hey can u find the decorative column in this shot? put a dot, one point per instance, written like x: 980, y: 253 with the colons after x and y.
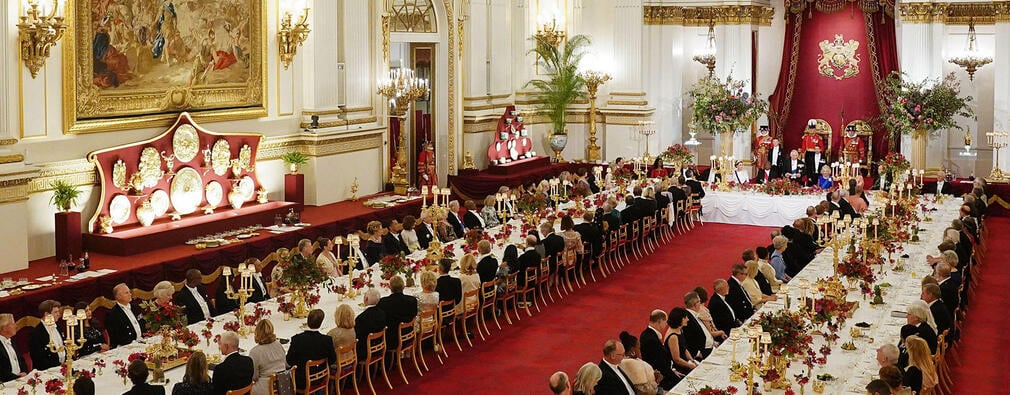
x: 921, y: 56
x: 1001, y: 85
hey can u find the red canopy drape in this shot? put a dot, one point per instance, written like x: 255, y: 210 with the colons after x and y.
x: 803, y: 93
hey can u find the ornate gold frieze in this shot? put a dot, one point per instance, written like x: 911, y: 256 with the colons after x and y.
x: 982, y: 13
x: 451, y: 129
x: 13, y: 158
x: 342, y: 122
x: 322, y: 146
x: 8, y: 141
x: 75, y: 172
x: 703, y: 16
x: 14, y: 189
x: 627, y: 102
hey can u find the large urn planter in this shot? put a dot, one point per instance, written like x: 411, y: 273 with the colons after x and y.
x: 558, y: 142
x: 918, y: 157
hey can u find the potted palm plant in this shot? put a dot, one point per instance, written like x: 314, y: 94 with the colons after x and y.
x: 294, y: 159
x: 68, y: 223
x: 562, y: 84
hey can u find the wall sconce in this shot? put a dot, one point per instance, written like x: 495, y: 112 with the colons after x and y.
x: 290, y: 37
x: 971, y: 60
x: 707, y: 55
x: 548, y: 31
x: 38, y: 31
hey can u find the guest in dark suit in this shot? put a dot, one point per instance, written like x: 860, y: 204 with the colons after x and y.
x: 137, y: 372
x: 425, y: 231
x: 766, y: 174
x: 699, y: 340
x: 453, y: 218
x: 631, y: 213
x: 399, y: 308
x: 553, y: 243
x: 310, y: 345
x: 942, y: 187
x: 777, y: 156
x: 193, y: 298
x: 615, y: 380
x: 371, y: 245
x: 370, y: 321
x: 738, y: 299
x: 236, y: 370
x: 260, y: 290
x: 647, y: 207
x: 948, y: 286
x: 448, y: 287
x: 222, y: 303
x: 723, y: 315
x: 654, y: 350
x: 472, y: 218
x: 8, y: 369
x: 941, y: 315
x: 392, y: 241
x: 883, y: 181
x: 38, y: 345
x: 529, y: 258
x: 590, y: 233
x: 694, y: 184
x: 678, y: 194
x: 123, y: 322
x: 609, y: 219
x: 487, y: 265
x: 813, y: 161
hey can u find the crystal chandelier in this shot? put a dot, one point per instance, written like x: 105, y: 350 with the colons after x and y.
x: 971, y: 60
x: 707, y: 55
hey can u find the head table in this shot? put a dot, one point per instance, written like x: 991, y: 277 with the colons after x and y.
x: 755, y: 208
x: 851, y: 369
x: 284, y: 327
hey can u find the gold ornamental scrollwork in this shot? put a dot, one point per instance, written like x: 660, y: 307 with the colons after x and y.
x: 979, y: 13
x: 150, y: 167
x: 119, y: 174
x: 706, y: 15
x: 838, y: 56
x: 221, y: 157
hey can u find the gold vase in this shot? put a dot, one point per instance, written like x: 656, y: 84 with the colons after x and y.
x: 919, y: 138
x: 726, y: 143
x: 298, y: 298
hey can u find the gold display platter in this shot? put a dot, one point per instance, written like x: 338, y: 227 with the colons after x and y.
x: 150, y: 167
x: 247, y: 188
x: 160, y: 202
x: 187, y: 190
x: 185, y: 143
x: 214, y: 193
x: 221, y: 157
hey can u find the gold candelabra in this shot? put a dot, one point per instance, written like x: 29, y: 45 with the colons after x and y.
x: 647, y: 129
x: 758, y: 361
x: 354, y: 190
x: 549, y: 33
x: 351, y: 262
x: 593, y: 81
x: 291, y: 36
x: 501, y: 207
x: 997, y: 141
x: 401, y: 87
x: 245, y: 290
x: 723, y: 166
x: 74, y: 324
x: 39, y: 29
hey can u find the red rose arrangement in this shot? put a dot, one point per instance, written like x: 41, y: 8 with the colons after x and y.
x: 120, y: 369
x: 715, y: 391
x: 231, y: 326
x: 258, y: 313
x: 55, y: 386
x: 789, y: 333
x: 393, y: 265
x: 186, y: 336
x: 158, y: 315
x: 854, y: 269
x: 137, y: 355
x: 99, y: 365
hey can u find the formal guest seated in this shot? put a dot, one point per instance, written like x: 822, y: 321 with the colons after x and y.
x: 310, y: 345
x: 738, y: 298
x: 93, y: 336
x: 468, y: 276
x: 614, y: 380
x: 122, y: 321
x: 326, y: 259
x: 398, y: 308
x: 12, y: 363
x: 942, y: 314
x: 137, y: 371
x: 488, y: 212
x: 700, y: 339
x: 193, y: 298
x: 919, y: 316
x: 267, y: 355
x: 235, y: 370
x: 887, y: 355
x: 878, y: 387
x: 895, y: 379
x: 856, y: 196
x: 643, y: 376
x: 409, y: 233
x: 370, y: 321
x: 529, y: 258
x: 657, y: 169
x: 676, y: 342
x: 428, y: 300
x: 84, y: 385
x: 472, y: 218
x: 487, y: 265
x: 558, y: 383
x: 343, y: 334
x: 38, y: 346
x: 723, y: 315
x: 196, y: 381
x: 740, y: 174
x: 586, y: 379
x: 824, y: 180
x: 373, y: 248
x: 393, y: 240
x: 750, y: 285
x: 767, y: 173
x: 767, y: 270
x: 590, y: 232
x: 920, y: 376
x: 654, y: 351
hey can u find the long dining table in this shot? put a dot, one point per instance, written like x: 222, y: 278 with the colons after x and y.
x: 851, y: 369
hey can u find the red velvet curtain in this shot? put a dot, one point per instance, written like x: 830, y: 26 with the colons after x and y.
x: 803, y: 93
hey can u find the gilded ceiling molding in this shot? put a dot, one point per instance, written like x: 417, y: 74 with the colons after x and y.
x: 987, y: 13
x: 319, y: 146
x: 832, y: 6
x: 703, y: 16
x: 75, y: 172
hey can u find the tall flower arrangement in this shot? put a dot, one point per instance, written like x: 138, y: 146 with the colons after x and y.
x: 926, y: 105
x: 895, y: 163
x: 724, y: 106
x: 677, y: 154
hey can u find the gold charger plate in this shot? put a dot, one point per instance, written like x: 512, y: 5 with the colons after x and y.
x: 214, y: 193
x: 150, y: 167
x: 221, y: 157
x: 160, y: 202
x: 185, y: 143
x: 246, y: 188
x: 119, y: 209
x: 187, y: 190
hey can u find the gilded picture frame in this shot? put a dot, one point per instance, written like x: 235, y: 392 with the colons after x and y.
x: 131, y: 64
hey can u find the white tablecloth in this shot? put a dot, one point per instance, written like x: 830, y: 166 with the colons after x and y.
x: 755, y: 208
x: 852, y: 369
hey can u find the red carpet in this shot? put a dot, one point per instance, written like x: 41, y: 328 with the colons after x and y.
x: 983, y: 347
x: 519, y: 359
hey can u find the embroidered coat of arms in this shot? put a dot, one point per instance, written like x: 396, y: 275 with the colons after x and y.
x: 838, y: 58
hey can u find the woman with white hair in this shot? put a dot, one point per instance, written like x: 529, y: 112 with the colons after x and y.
x: 162, y: 311
x: 919, y: 316
x: 585, y: 380
x: 163, y: 292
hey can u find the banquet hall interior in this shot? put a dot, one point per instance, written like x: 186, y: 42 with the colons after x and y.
x: 504, y: 196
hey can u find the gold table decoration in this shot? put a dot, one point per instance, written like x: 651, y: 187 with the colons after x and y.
x: 187, y: 190
x: 245, y: 157
x: 162, y: 353
x: 150, y: 167
x: 119, y: 175
x: 245, y: 290
x: 74, y: 324
x: 185, y: 143
x: 221, y: 157
x: 119, y: 209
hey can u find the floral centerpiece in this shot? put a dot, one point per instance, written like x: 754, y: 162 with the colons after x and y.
x: 677, y: 154
x: 724, y: 106
x: 789, y: 333
x: 393, y: 265
x: 532, y: 203
x: 300, y: 275
x: 707, y: 390
x: 781, y: 186
x: 186, y: 337
x: 162, y: 315
x: 895, y: 163
x: 928, y: 105
x: 854, y: 269
x: 828, y: 309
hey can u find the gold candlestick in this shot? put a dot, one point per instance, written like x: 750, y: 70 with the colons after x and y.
x: 245, y: 274
x: 74, y: 323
